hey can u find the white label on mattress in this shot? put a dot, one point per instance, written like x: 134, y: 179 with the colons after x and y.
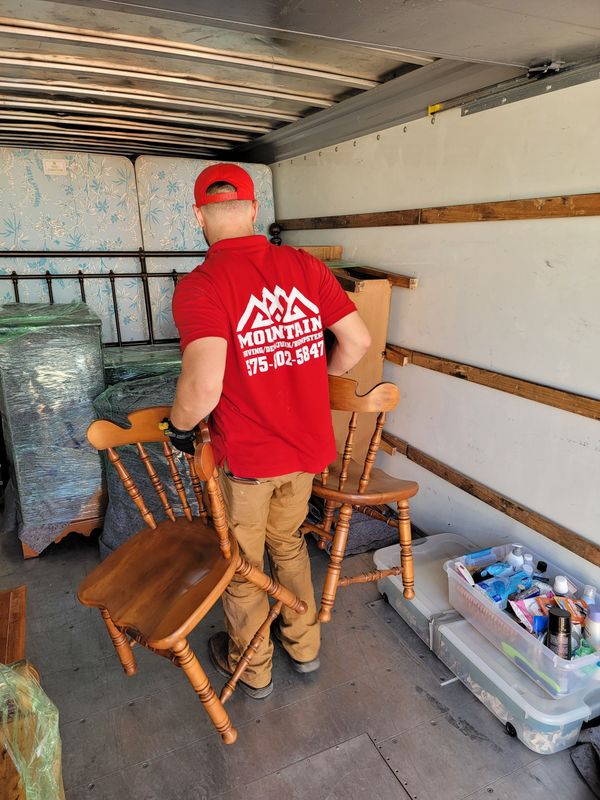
x: 55, y: 166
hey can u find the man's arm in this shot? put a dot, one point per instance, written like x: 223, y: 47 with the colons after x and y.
x: 201, y: 381
x: 352, y: 342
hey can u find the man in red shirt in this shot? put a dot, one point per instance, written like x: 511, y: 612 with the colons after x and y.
x: 251, y: 320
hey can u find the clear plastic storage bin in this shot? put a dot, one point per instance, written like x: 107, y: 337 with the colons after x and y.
x: 554, y: 674
x: 545, y: 724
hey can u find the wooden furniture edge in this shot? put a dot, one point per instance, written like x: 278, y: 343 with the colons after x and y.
x: 401, y: 281
x: 526, y: 516
x: 333, y: 253
x: 537, y: 392
x: 13, y: 605
x: 84, y: 527
x: 325, y: 252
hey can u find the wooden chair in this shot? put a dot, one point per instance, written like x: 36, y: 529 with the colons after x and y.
x: 159, y: 585
x: 348, y: 485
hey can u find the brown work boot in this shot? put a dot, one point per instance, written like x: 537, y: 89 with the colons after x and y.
x: 218, y: 651
x: 303, y: 667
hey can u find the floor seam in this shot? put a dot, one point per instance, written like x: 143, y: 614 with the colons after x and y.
x: 394, y: 772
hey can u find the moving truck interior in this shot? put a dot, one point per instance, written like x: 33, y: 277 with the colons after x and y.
x: 441, y: 159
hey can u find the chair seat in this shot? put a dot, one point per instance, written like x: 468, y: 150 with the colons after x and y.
x: 382, y: 488
x: 161, y: 582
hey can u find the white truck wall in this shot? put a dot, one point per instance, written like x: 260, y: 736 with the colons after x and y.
x: 518, y: 297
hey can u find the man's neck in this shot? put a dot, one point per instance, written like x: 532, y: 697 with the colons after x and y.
x: 231, y: 234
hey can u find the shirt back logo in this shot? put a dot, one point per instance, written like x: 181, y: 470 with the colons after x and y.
x: 276, y: 307
x: 279, y: 330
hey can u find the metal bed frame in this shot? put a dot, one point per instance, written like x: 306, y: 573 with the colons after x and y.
x: 143, y: 275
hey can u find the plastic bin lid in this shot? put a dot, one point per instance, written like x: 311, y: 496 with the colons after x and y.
x: 429, y: 556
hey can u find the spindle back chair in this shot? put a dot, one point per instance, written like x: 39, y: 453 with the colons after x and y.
x: 157, y: 587
x: 349, y: 485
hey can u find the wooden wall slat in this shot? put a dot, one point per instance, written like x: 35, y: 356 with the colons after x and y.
x: 572, y: 205
x: 557, y: 398
x: 532, y: 519
x: 372, y: 220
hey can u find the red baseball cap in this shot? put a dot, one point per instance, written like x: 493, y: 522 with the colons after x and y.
x: 223, y: 173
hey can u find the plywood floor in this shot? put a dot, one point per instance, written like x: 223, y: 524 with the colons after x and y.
x: 379, y: 721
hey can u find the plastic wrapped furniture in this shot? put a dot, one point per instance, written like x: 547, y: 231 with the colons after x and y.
x: 140, y: 361
x: 30, y: 747
x: 115, y: 404
x: 50, y: 371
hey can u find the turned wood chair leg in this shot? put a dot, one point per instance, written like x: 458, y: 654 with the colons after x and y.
x: 406, y: 559
x: 188, y: 662
x: 336, y: 557
x: 249, y: 652
x: 327, y: 522
x: 274, y: 589
x: 121, y: 643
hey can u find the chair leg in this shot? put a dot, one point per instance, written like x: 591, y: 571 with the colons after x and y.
x: 197, y: 677
x: 406, y: 560
x: 121, y: 644
x: 249, y: 652
x: 338, y: 548
x: 274, y: 589
x: 326, y: 523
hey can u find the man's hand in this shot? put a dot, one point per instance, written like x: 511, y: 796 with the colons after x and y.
x: 184, y: 441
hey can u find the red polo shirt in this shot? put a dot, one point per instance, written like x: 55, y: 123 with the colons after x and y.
x: 271, y: 304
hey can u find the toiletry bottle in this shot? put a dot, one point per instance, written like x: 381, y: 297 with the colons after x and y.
x: 589, y: 594
x: 592, y: 627
x: 559, y: 632
x: 528, y: 564
x: 561, y: 586
x: 540, y: 570
x: 515, y: 557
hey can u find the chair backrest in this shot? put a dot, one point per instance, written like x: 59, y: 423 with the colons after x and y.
x: 144, y: 428
x: 380, y: 399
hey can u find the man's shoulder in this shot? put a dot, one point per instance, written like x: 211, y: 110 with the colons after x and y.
x: 296, y: 255
x: 287, y: 250
x: 198, y: 275
x: 198, y: 279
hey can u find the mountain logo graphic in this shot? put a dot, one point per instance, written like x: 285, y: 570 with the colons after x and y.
x: 276, y: 307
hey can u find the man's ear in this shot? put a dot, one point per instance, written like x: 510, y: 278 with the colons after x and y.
x: 199, y: 217
x: 254, y: 210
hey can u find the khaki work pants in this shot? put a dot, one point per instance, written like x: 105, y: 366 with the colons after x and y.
x: 270, y: 512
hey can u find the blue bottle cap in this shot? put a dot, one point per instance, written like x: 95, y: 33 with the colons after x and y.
x: 539, y: 623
